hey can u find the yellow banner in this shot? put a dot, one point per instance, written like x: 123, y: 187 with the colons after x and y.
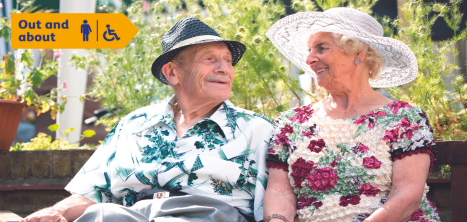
x: 71, y: 31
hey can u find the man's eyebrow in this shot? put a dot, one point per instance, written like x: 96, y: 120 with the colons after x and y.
x: 202, y: 53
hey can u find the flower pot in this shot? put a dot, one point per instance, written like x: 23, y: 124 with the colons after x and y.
x: 10, y: 115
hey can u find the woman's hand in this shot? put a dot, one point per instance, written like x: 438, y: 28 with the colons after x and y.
x: 279, y: 197
x: 408, y: 182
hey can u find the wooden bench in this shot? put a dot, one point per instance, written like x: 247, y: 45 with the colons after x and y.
x: 454, y: 153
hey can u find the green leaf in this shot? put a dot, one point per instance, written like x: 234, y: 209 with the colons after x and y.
x: 88, y: 133
x: 9, y: 65
x: 29, y: 96
x: 53, y: 127
x: 26, y: 58
x: 36, y: 77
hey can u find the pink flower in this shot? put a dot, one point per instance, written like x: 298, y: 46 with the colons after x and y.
x: 322, y: 179
x: 362, y: 148
x: 1, y: 5
x: 371, y: 162
x: 316, y: 145
x: 307, y: 133
x: 287, y: 129
x: 371, y: 118
x: 271, y: 151
x: 302, y: 114
x: 368, y: 190
x: 305, y: 202
x: 145, y: 5
x: 404, y: 128
x: 282, y: 140
x: 300, y: 170
x: 64, y: 85
x: 349, y: 199
x: 333, y: 164
x: 58, y: 54
x: 318, y: 204
x: 417, y: 215
x: 433, y: 206
x: 396, y: 105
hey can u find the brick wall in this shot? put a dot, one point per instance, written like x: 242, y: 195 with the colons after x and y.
x: 31, y: 180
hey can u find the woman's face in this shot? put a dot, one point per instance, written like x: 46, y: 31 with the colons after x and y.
x: 330, y: 63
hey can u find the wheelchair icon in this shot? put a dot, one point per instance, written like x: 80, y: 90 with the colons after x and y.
x: 110, y: 32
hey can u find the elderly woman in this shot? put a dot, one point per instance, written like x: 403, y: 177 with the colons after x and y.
x: 356, y: 155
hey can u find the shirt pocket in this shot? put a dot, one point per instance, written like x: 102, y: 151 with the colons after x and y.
x: 214, y: 175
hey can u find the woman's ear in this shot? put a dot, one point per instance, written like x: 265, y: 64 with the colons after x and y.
x: 168, y: 71
x: 362, y: 54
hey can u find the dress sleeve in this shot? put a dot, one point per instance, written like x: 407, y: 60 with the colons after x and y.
x: 412, y: 134
x: 279, y: 144
x: 93, y: 179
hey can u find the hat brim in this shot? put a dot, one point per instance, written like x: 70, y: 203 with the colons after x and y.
x: 236, y: 49
x: 290, y: 36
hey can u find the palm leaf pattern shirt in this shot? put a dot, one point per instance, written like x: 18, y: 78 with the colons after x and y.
x: 222, y: 157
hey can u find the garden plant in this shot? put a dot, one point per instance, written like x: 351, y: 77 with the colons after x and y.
x: 263, y: 81
x: 18, y: 77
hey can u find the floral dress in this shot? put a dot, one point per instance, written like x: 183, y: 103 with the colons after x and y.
x: 341, y: 170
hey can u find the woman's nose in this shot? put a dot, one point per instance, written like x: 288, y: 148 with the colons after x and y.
x: 311, y: 58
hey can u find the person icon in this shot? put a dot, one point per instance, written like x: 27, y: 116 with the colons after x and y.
x: 110, y: 32
x: 85, y: 29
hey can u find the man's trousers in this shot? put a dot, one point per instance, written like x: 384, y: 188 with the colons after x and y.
x: 172, y: 209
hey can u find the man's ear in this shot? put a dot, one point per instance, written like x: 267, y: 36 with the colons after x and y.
x: 168, y: 71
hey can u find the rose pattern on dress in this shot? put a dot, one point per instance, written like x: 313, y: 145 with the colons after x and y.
x: 300, y: 170
x: 302, y: 114
x: 396, y: 105
x: 316, y: 145
x: 349, y: 199
x: 348, y: 169
x: 371, y: 118
x: 368, y: 190
x: 405, y: 128
x: 322, y: 179
x: 360, y: 148
x: 371, y: 162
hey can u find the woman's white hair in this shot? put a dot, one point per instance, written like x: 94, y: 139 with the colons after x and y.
x: 350, y: 45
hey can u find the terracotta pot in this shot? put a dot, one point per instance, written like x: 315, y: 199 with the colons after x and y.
x: 10, y: 115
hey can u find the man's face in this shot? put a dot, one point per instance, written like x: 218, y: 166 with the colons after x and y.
x: 205, y: 72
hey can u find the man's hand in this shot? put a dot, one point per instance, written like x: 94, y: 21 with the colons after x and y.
x: 45, y: 215
x: 66, y: 210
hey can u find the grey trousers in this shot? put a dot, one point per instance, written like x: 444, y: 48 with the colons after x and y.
x: 172, y: 209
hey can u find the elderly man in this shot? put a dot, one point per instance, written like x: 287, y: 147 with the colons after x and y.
x: 194, y: 158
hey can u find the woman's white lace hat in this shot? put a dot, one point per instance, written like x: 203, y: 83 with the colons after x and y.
x: 290, y: 36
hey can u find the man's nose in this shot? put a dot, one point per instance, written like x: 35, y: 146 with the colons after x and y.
x: 222, y: 66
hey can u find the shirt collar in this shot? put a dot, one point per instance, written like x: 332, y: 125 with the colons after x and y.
x: 225, y: 116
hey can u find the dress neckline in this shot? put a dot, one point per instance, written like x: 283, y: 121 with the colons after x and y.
x: 358, y: 116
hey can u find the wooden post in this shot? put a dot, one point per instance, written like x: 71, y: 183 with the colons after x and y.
x: 459, y: 192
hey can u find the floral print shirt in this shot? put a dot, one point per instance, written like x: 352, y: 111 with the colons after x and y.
x: 222, y: 157
x: 341, y: 170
